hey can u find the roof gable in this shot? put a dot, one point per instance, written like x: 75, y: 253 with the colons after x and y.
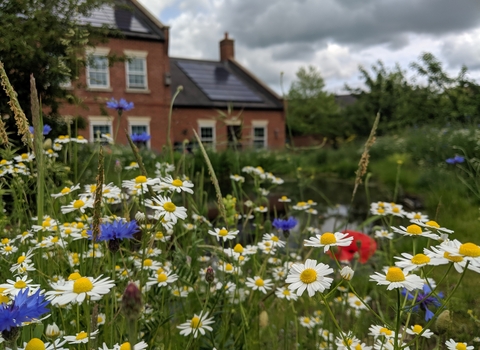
x: 218, y: 84
x: 128, y: 16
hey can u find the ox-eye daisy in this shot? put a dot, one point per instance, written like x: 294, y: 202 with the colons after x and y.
x: 415, y: 231
x: 309, y: 276
x: 453, y: 345
x: 285, y: 293
x: 79, y: 289
x: 167, y: 210
x: 412, y: 262
x: 162, y: 278
x: 82, y: 337
x: 78, y: 204
x: 417, y: 329
x: 257, y: 283
x: 223, y: 233
x: 176, y: 185
x: 198, y: 324
x: 395, y: 278
x: 469, y: 251
x: 328, y: 240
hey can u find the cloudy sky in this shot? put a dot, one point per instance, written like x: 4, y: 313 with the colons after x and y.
x: 274, y: 36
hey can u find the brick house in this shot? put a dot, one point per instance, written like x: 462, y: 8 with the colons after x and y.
x: 221, y: 100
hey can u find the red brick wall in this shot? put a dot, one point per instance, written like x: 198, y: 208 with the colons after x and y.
x: 185, y: 119
x: 154, y: 104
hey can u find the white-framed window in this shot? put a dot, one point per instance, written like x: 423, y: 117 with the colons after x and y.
x: 206, y: 131
x: 98, y: 72
x: 259, y: 133
x: 136, y: 70
x: 100, y: 126
x: 139, y: 125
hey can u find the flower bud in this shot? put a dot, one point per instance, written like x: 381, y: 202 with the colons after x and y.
x: 209, y: 275
x: 139, y: 216
x: 263, y: 319
x: 132, y: 301
x: 347, y: 273
x: 443, y: 322
x: 52, y: 330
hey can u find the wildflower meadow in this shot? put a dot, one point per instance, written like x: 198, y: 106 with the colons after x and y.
x: 139, y: 256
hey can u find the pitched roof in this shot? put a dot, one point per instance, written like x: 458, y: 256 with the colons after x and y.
x: 218, y: 84
x: 129, y: 17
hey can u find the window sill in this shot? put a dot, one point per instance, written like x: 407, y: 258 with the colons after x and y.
x: 100, y: 89
x: 137, y: 91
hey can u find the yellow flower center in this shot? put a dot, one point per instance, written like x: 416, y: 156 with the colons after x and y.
x: 461, y: 346
x: 433, y: 224
x: 35, y: 344
x: 162, y: 277
x: 274, y: 238
x: 417, y: 328
x: 358, y: 302
x: 195, y: 323
x: 469, y: 249
x: 453, y: 258
x: 80, y: 225
x: 74, y: 276
x: 223, y: 232
x: 396, y: 210
x: 308, y: 276
x: 328, y: 238
x: 306, y: 320
x: 140, y: 179
x: 147, y: 262
x: 414, y: 230
x: 24, y: 156
x: 82, y: 285
x: 65, y: 190
x: 228, y: 267
x: 284, y: 198
x: 125, y: 346
x: 385, y: 331
x: 286, y: 292
x: 169, y: 206
x: 261, y: 207
x: 5, y: 240
x: 238, y: 248
x: 177, y: 182
x: 79, y: 137
x: 159, y: 235
x: 358, y: 347
x: 21, y: 259
x: 3, y: 162
x: 78, y: 204
x: 420, y: 259
x: 417, y: 216
x: 20, y: 284
x: 55, y: 240
x: 259, y: 282
x: 81, y: 335
x: 8, y: 248
x: 395, y: 274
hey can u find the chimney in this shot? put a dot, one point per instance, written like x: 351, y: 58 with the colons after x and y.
x: 227, y: 48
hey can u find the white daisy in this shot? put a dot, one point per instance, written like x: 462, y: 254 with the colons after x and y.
x: 328, y: 240
x: 276, y: 242
x: 127, y: 346
x: 14, y: 287
x: 76, y: 291
x: 65, y: 191
x: 25, y: 158
x: 162, y: 278
x: 166, y: 209
x: 417, y: 329
x: 309, y: 276
x: 346, y: 341
x: 257, y: 283
x: 410, y: 263
x: 453, y: 345
x: 79, y: 338
x: 432, y: 225
x: 176, y: 185
x: 131, y: 166
x: 139, y: 184
x: 237, y: 178
x: 198, y: 324
x: 79, y: 139
x: 79, y: 204
x: 417, y: 216
x: 261, y: 209
x: 438, y: 256
x: 379, y: 331
x: 285, y: 293
x: 284, y: 199
x: 415, y: 231
x: 395, y: 278
x: 301, y: 206
x: 469, y: 251
x: 223, y: 233
x: 307, y: 322
x: 383, y: 234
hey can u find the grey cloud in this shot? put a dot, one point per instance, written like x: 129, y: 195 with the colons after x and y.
x: 461, y: 52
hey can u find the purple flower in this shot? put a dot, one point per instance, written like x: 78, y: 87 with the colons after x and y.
x: 143, y: 137
x: 118, y: 229
x: 455, y: 160
x: 285, y: 225
x: 121, y: 105
x: 425, y: 300
x: 46, y: 129
x: 24, y: 308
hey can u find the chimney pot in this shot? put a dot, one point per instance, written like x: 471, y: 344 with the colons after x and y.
x: 227, y: 48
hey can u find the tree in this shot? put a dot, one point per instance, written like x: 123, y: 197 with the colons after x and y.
x: 312, y: 110
x: 43, y: 38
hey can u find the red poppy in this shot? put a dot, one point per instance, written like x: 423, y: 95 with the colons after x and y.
x: 362, y: 244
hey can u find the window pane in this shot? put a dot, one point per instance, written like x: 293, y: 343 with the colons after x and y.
x: 98, y: 130
x: 206, y: 133
x: 136, y: 81
x: 138, y: 129
x: 99, y: 62
x: 98, y: 78
x: 136, y: 65
x: 259, y: 132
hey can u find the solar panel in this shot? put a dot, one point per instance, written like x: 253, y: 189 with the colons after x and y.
x: 218, y: 83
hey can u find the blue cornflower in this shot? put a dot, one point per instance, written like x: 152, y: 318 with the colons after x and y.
x: 24, y: 308
x: 121, y: 105
x: 143, y: 137
x: 117, y: 230
x: 46, y: 129
x: 285, y: 225
x: 425, y: 300
x: 455, y: 160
